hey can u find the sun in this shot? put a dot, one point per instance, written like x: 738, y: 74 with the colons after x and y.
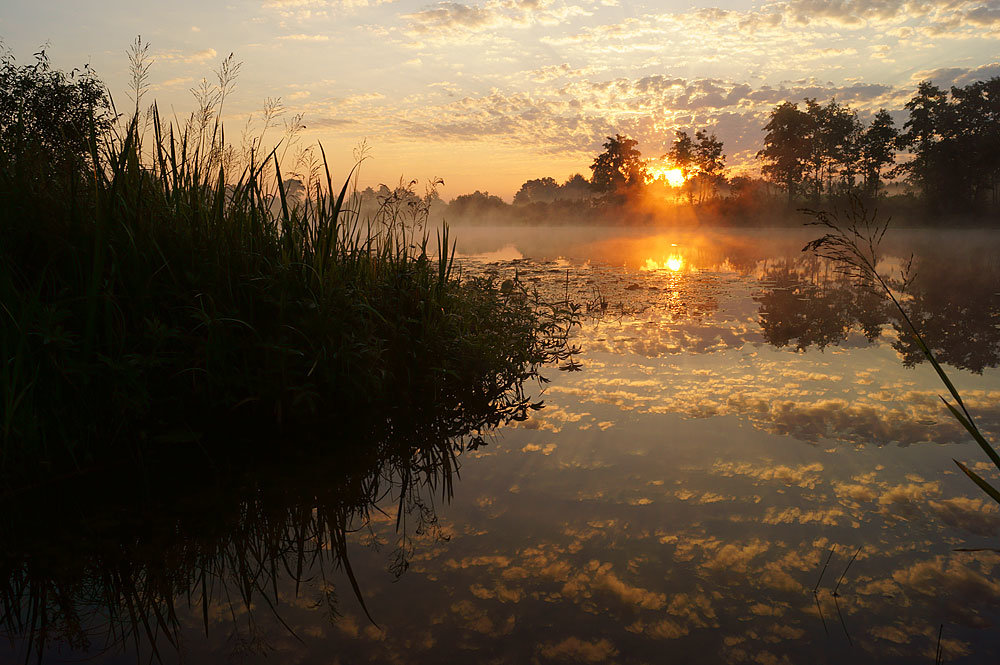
x: 675, y: 263
x: 673, y: 176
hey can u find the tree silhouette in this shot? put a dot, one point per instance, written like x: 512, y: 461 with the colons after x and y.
x: 877, y: 150
x: 47, y: 116
x: 924, y: 133
x: 539, y: 190
x: 787, y: 148
x: 683, y: 156
x: 619, y: 167
x: 834, y: 136
x: 710, y: 160
x: 576, y: 187
x: 955, y: 140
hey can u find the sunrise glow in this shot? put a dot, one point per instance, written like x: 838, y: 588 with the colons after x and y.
x: 674, y: 176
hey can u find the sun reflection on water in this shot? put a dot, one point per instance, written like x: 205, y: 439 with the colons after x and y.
x: 673, y: 263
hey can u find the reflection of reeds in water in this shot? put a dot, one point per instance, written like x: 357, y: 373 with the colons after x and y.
x: 834, y: 594
x: 116, y: 568
x: 852, y: 243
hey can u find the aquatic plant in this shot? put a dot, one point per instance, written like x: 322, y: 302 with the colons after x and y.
x: 852, y: 242
x: 161, y: 284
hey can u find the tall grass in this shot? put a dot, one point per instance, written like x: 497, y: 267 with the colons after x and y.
x: 153, y: 288
x: 852, y: 242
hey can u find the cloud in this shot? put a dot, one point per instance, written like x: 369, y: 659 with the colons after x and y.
x: 664, y: 629
x: 931, y: 15
x: 304, y: 38
x: 957, y: 589
x: 957, y: 76
x: 192, y: 57
x: 736, y: 557
x: 598, y: 577
x: 445, y: 19
x: 795, y: 515
x: 448, y: 16
x: 289, y: 6
x: 973, y: 515
x: 176, y: 81
x: 803, y: 475
x: 574, y: 116
x: 573, y: 649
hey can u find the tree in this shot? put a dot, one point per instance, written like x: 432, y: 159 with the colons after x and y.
x: 817, y: 117
x: 476, y: 204
x: 48, y: 117
x: 955, y: 142
x: 709, y: 160
x: 575, y: 188
x: 787, y: 147
x: 619, y: 167
x: 877, y: 149
x: 539, y: 190
x: 923, y: 132
x: 682, y: 156
x: 839, y: 136
x: 977, y: 138
x: 849, y: 152
x: 834, y: 149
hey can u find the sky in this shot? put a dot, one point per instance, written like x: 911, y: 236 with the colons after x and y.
x: 488, y: 94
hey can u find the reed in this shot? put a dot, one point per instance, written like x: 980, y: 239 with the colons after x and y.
x: 852, y: 242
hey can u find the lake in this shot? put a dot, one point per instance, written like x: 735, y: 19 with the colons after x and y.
x: 747, y: 462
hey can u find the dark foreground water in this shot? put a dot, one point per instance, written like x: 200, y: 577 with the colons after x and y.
x: 749, y: 465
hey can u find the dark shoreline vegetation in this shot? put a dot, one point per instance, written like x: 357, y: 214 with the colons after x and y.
x: 156, y: 293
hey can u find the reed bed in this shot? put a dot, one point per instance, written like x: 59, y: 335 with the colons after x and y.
x: 154, y: 288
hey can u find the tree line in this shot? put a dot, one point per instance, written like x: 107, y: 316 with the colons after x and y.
x: 620, y: 171
x: 947, y: 150
x: 951, y: 142
x: 947, y: 153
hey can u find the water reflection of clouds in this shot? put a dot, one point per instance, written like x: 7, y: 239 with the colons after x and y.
x: 865, y: 397
x: 649, y: 511
x: 576, y: 650
x: 708, y: 535
x: 759, y: 583
x: 649, y: 507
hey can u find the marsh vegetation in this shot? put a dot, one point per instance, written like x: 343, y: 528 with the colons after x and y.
x: 158, y: 285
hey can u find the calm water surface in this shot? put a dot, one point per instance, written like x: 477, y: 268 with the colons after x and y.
x: 748, y: 465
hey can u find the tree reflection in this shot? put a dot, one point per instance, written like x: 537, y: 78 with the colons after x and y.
x: 957, y: 309
x: 955, y: 305
x: 806, y: 305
